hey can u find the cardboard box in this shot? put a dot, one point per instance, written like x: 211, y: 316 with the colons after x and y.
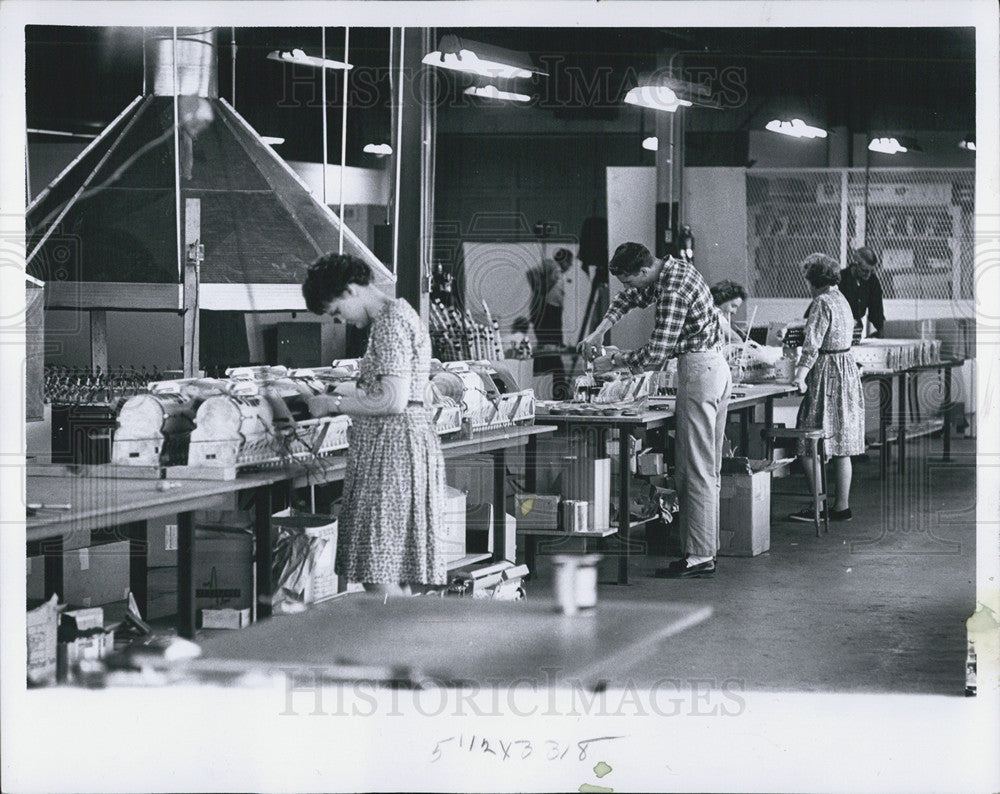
x: 649, y: 463
x: 161, y: 593
x: 479, y: 529
x: 42, y: 624
x: 452, y: 537
x: 96, y: 575
x: 224, y: 574
x: 510, y: 532
x: 35, y: 577
x: 81, y: 636
x: 321, y: 581
x: 473, y: 475
x: 161, y: 542
x: 225, y: 618
x: 536, y: 511
x: 745, y: 508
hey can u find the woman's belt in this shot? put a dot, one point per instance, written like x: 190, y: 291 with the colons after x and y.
x: 831, y: 352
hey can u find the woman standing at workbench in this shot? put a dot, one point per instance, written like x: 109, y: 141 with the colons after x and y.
x: 392, y: 514
x: 827, y: 375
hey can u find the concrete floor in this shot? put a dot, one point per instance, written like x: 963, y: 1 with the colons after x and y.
x: 877, y: 605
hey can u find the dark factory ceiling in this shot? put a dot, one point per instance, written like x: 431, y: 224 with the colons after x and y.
x: 867, y: 79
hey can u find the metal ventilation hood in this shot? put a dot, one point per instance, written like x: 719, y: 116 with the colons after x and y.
x: 105, y: 234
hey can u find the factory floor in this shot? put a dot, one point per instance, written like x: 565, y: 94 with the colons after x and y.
x: 878, y: 604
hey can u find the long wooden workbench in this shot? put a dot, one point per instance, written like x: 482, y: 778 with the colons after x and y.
x: 748, y: 397
x: 74, y: 502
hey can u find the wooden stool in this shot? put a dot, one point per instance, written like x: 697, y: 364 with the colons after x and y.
x: 818, y: 460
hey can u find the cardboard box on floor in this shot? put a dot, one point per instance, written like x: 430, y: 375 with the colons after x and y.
x: 161, y: 542
x: 473, y: 475
x: 224, y: 573
x: 96, y: 575
x: 42, y: 623
x: 452, y: 539
x: 161, y: 593
x: 745, y: 508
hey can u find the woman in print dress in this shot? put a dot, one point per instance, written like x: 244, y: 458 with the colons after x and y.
x: 392, y: 513
x: 828, y: 377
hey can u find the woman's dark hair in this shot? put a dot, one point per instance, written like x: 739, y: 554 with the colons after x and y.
x: 329, y: 276
x: 821, y: 270
x: 629, y: 259
x: 725, y: 291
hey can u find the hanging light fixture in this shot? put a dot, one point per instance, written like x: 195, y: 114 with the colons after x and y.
x: 651, y: 143
x: 378, y: 149
x: 484, y: 60
x: 657, y: 97
x: 299, y: 57
x: 796, y: 128
x: 894, y: 145
x: 492, y: 92
x: 270, y: 141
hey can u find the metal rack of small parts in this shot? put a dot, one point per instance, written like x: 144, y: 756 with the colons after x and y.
x: 896, y: 426
x: 588, y: 418
x: 72, y: 499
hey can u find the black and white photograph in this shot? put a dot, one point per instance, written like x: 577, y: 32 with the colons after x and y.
x: 467, y: 396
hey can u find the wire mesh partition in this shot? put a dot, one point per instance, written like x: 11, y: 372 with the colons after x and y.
x: 919, y: 221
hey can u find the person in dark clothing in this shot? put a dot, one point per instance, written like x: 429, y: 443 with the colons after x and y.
x: 863, y: 290
x: 547, y: 297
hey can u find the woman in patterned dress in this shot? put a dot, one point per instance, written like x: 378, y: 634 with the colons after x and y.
x: 828, y: 376
x: 392, y: 511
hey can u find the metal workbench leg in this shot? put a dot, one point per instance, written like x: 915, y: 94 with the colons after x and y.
x: 499, y: 505
x: 52, y: 550
x: 185, y: 575
x: 946, y: 430
x: 624, y: 523
x: 901, y: 421
x: 884, y: 419
x: 263, y: 504
x: 745, y: 430
x: 138, y: 565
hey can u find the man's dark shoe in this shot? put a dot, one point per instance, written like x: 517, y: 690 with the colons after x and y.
x: 681, y: 569
x: 841, y: 515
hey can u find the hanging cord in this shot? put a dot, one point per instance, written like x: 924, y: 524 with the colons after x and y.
x: 343, y: 135
x: 177, y: 162
x: 323, y: 103
x: 232, y: 41
x: 399, y: 146
x: 392, y: 199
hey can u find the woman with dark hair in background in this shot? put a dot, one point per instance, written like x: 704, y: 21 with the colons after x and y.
x: 728, y: 296
x: 394, y: 487
x: 828, y: 377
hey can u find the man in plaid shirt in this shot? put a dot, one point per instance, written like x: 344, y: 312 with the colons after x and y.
x: 688, y: 328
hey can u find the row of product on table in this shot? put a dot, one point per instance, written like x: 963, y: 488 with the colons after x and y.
x: 259, y: 416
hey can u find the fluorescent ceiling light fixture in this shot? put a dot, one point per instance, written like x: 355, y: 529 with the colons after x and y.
x: 298, y: 56
x: 485, y: 60
x: 272, y: 141
x: 651, y: 143
x: 378, y: 149
x: 657, y: 97
x: 894, y: 145
x: 796, y: 128
x: 968, y: 143
x: 492, y: 92
x: 61, y: 134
